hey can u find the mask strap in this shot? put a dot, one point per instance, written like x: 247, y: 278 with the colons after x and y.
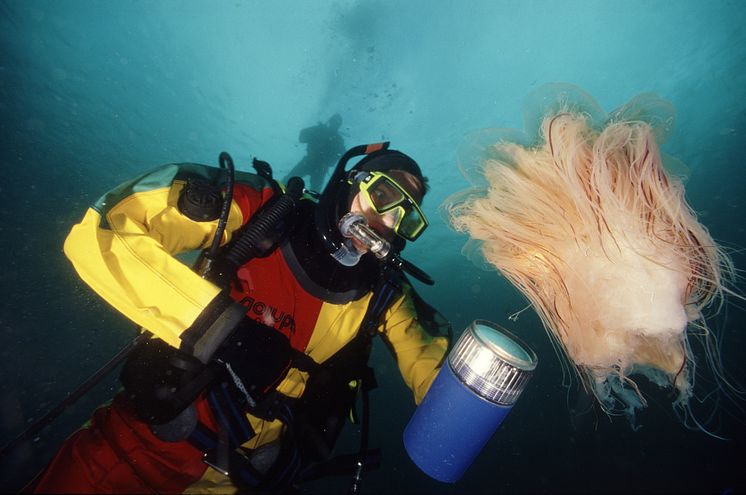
x: 354, y: 176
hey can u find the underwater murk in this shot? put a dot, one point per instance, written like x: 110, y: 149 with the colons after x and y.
x: 610, y: 241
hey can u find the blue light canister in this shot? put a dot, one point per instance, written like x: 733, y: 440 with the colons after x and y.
x: 474, y: 391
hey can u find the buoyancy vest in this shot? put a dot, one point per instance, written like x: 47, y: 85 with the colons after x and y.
x: 313, y: 421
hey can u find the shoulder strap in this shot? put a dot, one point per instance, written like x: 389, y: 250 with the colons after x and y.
x: 388, y: 286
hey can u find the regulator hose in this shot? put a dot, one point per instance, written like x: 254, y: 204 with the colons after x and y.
x: 256, y: 239
x: 225, y: 161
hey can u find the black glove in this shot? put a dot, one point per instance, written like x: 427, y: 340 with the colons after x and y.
x: 222, y: 344
x: 256, y: 359
x: 161, y: 381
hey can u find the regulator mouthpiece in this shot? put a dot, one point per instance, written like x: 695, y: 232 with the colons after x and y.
x: 354, y: 226
x: 347, y: 254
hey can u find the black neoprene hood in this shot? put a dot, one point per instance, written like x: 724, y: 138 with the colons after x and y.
x: 390, y: 160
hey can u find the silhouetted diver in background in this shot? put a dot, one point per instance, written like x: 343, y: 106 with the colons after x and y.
x: 324, y: 146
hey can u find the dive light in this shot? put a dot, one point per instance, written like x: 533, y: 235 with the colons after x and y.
x: 474, y: 391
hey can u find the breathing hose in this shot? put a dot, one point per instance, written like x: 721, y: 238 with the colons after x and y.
x: 252, y: 241
x: 225, y: 161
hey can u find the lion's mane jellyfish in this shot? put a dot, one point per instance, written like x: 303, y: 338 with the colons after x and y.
x: 585, y: 220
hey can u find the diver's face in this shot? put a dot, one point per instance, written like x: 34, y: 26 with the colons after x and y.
x: 384, y: 224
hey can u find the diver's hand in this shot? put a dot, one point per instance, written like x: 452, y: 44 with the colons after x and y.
x: 222, y: 344
x: 256, y: 358
x: 161, y: 381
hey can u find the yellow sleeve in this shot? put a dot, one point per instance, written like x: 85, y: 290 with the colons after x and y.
x: 124, y: 246
x: 418, y: 354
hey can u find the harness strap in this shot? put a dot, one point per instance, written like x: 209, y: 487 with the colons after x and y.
x: 383, y: 295
x: 222, y: 453
x: 231, y: 419
x: 224, y: 459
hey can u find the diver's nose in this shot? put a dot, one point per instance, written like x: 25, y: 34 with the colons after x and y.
x: 383, y: 225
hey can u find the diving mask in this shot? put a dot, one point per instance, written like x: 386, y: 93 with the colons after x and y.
x: 386, y: 196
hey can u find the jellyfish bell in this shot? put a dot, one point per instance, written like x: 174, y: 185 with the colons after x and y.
x: 590, y: 226
x: 554, y: 99
x: 480, y: 148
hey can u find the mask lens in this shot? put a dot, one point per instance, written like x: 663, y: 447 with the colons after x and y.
x: 388, y: 198
x: 384, y: 195
x: 411, y: 224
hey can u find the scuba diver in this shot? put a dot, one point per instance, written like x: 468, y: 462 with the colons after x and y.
x: 324, y: 146
x: 248, y: 365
